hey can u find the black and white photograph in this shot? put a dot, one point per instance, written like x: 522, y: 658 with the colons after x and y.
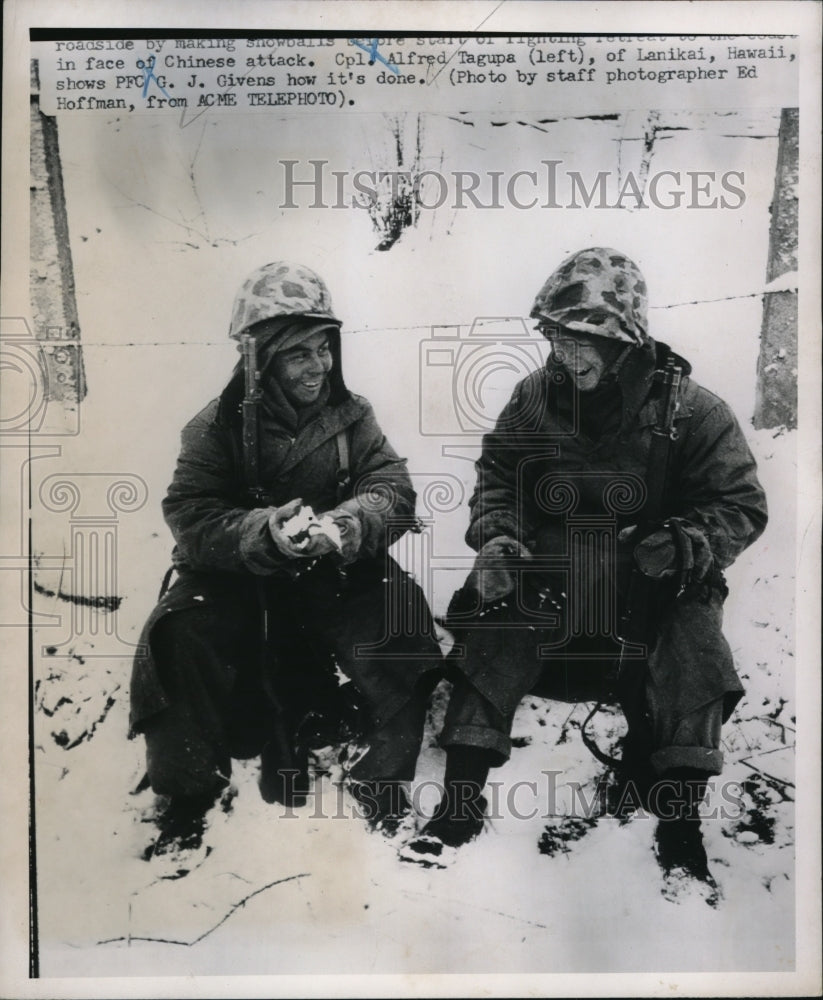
x: 411, y: 499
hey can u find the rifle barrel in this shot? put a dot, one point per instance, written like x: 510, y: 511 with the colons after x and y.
x: 250, y: 410
x: 662, y: 436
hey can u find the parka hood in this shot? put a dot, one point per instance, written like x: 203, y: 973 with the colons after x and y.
x: 279, y: 304
x: 598, y: 291
x: 279, y: 335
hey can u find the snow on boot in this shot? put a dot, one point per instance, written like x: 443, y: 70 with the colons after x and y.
x: 455, y: 831
x: 449, y: 828
x: 384, y: 804
x: 459, y: 817
x: 179, y: 846
x: 681, y: 854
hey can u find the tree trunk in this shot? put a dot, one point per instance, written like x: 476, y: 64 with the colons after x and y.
x: 776, y: 401
x: 51, y: 275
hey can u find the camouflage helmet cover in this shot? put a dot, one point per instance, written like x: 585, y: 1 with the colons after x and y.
x: 598, y: 291
x: 280, y: 289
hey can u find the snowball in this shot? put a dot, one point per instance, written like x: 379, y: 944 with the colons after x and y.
x: 326, y: 526
x: 305, y: 523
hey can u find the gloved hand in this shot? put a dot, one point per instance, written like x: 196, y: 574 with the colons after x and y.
x: 319, y: 544
x: 490, y: 580
x: 657, y: 555
x: 351, y: 533
x: 285, y: 546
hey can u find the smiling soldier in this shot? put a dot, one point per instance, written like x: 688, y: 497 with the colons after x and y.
x: 282, y: 507
x: 603, y: 499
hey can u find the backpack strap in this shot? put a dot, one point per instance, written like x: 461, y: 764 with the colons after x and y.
x: 343, y: 473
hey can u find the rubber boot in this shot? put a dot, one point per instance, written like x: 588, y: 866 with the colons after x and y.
x: 181, y: 824
x: 380, y: 780
x: 678, y: 843
x: 634, y: 779
x: 458, y: 818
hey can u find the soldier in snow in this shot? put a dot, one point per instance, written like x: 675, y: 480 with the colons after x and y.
x: 239, y: 657
x: 551, y: 590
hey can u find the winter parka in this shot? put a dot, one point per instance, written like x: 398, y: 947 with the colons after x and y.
x: 222, y: 536
x: 543, y: 443
x: 562, y: 473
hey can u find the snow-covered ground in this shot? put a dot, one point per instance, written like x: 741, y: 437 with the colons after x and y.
x: 321, y: 893
x: 316, y: 891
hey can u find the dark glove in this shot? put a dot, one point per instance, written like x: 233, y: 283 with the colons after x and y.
x: 488, y: 578
x: 657, y: 555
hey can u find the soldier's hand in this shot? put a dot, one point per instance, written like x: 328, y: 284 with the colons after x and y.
x: 657, y: 554
x: 277, y: 519
x: 319, y: 544
x: 351, y: 533
x: 490, y: 577
x: 350, y: 536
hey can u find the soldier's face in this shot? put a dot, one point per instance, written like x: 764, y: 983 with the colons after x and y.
x: 585, y: 358
x: 301, y: 371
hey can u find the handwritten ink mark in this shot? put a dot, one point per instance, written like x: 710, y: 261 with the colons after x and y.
x: 460, y: 48
x: 149, y: 75
x: 374, y: 54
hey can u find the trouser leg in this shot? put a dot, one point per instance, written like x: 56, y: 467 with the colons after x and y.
x: 500, y: 666
x: 379, y: 627
x: 185, y: 746
x: 394, y: 747
x: 686, y: 754
x: 691, y: 686
x: 690, y: 741
x: 473, y: 721
x: 203, y: 659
